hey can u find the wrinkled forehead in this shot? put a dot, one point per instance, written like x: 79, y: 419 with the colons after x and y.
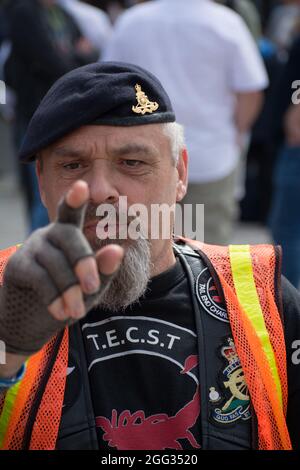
x: 147, y: 139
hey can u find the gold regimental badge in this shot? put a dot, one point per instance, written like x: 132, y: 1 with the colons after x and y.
x: 144, y: 104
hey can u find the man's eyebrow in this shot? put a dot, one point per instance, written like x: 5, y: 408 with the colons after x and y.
x: 132, y: 149
x: 69, y: 152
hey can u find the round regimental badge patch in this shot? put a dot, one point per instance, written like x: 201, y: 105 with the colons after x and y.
x: 208, y: 296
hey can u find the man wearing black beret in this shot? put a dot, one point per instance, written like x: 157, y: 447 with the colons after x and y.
x: 125, y: 342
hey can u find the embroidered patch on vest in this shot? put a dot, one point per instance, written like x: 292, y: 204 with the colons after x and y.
x: 232, y: 402
x: 208, y: 296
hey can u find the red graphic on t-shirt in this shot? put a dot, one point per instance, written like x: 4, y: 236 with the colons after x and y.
x: 157, y: 432
x: 190, y: 363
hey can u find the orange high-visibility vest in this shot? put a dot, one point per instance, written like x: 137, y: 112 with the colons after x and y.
x: 30, y: 412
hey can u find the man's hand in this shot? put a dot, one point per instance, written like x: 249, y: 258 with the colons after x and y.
x: 54, y: 279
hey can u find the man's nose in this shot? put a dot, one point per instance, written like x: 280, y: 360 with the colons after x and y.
x: 102, y: 183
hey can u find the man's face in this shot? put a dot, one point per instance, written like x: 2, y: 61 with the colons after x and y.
x: 135, y: 162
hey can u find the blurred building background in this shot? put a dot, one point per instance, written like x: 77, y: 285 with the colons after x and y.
x: 42, y: 39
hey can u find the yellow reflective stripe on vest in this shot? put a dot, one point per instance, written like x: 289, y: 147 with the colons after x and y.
x: 242, y: 272
x: 7, y: 410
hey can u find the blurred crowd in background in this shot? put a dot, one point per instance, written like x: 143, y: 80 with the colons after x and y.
x: 232, y: 72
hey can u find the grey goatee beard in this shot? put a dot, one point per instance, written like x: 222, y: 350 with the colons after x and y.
x: 130, y: 282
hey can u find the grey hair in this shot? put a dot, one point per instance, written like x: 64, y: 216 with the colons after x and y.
x: 175, y: 132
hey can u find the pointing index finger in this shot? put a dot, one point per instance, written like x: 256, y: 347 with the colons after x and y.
x: 71, y: 208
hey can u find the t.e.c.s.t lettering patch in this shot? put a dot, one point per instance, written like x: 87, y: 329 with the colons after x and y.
x: 208, y: 296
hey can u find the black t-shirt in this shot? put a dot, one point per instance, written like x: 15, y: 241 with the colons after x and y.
x: 143, y: 370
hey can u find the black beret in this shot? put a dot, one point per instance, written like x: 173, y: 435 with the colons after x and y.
x: 107, y: 93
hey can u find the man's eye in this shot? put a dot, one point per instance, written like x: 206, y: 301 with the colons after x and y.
x: 132, y: 163
x: 71, y: 166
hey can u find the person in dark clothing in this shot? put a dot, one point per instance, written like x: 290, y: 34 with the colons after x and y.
x: 263, y: 147
x: 284, y: 220
x: 46, y: 43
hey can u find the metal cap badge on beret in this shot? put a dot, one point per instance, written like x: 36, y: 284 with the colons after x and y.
x: 107, y: 93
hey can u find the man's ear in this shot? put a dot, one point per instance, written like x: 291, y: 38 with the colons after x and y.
x: 40, y: 178
x: 182, y: 169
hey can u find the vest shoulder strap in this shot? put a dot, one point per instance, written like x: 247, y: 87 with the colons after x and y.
x: 249, y: 276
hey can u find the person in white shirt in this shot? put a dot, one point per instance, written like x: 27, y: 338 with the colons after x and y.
x: 208, y: 62
x: 93, y: 22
